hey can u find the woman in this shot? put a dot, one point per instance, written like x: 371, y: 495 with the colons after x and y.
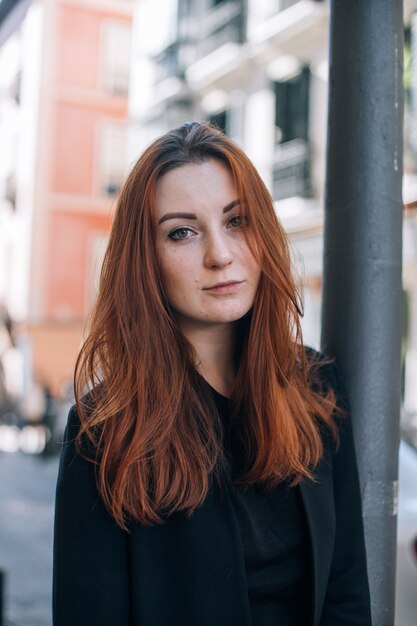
x: 208, y: 477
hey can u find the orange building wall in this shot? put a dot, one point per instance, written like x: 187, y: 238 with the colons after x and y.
x: 70, y: 271
x: 72, y: 205
x: 78, y: 113
x: 74, y: 149
x: 80, y: 32
x: 75, y: 146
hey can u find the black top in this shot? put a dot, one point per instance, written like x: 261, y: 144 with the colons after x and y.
x: 191, y: 570
x: 275, y: 540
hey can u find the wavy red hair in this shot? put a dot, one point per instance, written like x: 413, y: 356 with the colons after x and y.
x: 149, y: 422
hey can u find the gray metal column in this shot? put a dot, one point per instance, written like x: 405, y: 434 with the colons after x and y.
x: 362, y: 259
x: 1, y: 598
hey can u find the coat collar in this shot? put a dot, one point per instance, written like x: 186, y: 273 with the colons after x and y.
x: 319, y: 509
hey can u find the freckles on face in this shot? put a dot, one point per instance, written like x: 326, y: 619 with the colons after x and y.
x: 208, y: 272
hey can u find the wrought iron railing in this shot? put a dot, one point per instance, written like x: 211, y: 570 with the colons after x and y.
x: 173, y: 60
x: 223, y: 23
x: 291, y: 174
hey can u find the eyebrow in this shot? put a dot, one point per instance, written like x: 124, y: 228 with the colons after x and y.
x: 193, y: 216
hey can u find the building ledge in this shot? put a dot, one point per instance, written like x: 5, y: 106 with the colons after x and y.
x: 91, y: 98
x: 171, y: 87
x: 289, y: 23
x: 215, y: 65
x: 121, y: 8
x: 84, y: 204
x: 300, y: 215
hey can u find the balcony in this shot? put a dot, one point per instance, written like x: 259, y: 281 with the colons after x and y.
x: 219, y: 52
x: 222, y: 24
x: 173, y: 60
x: 291, y: 170
x: 285, y: 23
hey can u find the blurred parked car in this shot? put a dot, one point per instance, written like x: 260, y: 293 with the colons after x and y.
x: 406, y: 580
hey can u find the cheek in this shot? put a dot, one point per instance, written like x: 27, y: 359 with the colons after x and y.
x: 256, y: 276
x: 176, y: 271
x: 251, y: 264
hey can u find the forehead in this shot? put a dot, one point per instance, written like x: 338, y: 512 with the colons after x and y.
x: 195, y: 186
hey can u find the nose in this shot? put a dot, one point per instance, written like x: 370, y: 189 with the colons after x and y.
x: 218, y: 251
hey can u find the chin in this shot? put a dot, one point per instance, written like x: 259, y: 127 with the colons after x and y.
x: 230, y: 316
x: 212, y: 317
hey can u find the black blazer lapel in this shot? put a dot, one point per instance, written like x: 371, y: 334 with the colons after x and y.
x: 319, y: 507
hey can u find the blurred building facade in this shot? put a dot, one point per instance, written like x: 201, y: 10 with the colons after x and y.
x: 258, y: 69
x: 64, y: 71
x: 86, y: 84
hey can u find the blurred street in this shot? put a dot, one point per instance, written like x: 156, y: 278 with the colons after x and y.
x: 27, y: 490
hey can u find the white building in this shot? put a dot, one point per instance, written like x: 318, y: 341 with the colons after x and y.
x: 258, y: 68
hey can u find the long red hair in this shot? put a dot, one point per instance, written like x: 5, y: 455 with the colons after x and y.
x: 154, y: 429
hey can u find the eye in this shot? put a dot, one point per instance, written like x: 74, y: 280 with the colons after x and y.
x: 237, y: 220
x: 180, y: 233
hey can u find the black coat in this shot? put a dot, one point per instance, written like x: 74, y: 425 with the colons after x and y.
x: 191, y: 571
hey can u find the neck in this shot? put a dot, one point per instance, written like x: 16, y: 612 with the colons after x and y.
x: 214, y: 347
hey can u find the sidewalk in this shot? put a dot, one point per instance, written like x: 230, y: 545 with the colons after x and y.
x: 27, y: 491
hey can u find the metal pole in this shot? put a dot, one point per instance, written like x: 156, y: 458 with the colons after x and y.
x: 362, y: 259
x: 1, y: 598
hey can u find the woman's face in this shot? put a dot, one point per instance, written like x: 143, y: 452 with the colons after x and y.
x: 208, y: 272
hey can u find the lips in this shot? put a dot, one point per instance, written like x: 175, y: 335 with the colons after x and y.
x: 227, y: 282
x: 229, y: 286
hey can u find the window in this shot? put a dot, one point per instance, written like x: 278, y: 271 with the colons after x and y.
x: 113, y: 151
x: 291, y: 107
x: 291, y: 173
x: 116, y: 57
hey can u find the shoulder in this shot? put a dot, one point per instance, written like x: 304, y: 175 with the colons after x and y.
x: 86, y: 404
x: 77, y: 453
x: 73, y: 467
x: 73, y: 424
